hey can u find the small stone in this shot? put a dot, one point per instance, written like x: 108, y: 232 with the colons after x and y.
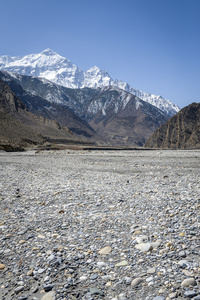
x: 159, y: 298
x: 181, y: 234
x: 29, y: 273
x: 55, y: 235
x: 22, y: 242
x: 138, y: 232
x: 122, y: 263
x: 182, y: 254
x: 187, y: 273
x: 19, y: 289
x: 151, y: 270
x: 35, y: 248
x: 189, y: 281
x: 101, y: 264
x: 136, y: 281
x: 2, y: 266
x: 173, y: 295
x: 95, y: 291
x: 48, y: 287
x: 40, y: 236
x: 190, y: 294
x: 47, y: 278
x: 156, y: 244
x: 105, y: 250
x: 108, y: 284
x: 149, y: 279
x: 35, y: 289
x: 40, y: 271
x: 94, y: 277
x: 145, y: 247
x: 83, y: 278
x: 49, y: 296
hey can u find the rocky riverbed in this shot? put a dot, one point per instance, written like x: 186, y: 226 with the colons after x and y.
x: 100, y: 225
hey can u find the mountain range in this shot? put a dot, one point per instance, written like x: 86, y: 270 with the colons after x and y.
x: 102, y: 116
x: 45, y: 99
x: 57, y: 69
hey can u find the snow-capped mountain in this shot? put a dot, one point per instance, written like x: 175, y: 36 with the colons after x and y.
x: 50, y: 65
x: 105, y: 114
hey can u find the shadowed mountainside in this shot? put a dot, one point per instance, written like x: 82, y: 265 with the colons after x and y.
x: 181, y: 131
x: 21, y: 129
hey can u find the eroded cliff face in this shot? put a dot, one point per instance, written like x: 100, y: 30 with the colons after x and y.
x: 182, y: 131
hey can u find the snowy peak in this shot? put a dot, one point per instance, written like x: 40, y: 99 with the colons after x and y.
x: 51, y: 66
x: 93, y: 70
x: 95, y: 77
x: 48, y: 52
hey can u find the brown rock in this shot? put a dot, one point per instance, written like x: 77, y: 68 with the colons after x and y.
x: 2, y: 266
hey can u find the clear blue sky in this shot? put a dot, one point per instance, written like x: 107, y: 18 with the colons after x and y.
x: 154, y: 45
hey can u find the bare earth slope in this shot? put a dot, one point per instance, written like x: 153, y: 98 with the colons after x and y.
x: 182, y: 131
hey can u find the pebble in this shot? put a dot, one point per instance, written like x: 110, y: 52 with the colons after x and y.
x: 136, y: 281
x: 144, y: 247
x: 190, y: 294
x: 122, y: 263
x: 48, y: 287
x: 95, y: 291
x: 189, y: 281
x: 2, y: 266
x: 76, y: 230
x: 49, y: 296
x: 151, y: 270
x: 105, y: 250
x: 173, y: 295
x: 19, y: 289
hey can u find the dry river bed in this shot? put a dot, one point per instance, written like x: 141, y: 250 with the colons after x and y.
x: 100, y: 225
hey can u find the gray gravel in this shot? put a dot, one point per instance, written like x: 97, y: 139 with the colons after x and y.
x: 100, y: 225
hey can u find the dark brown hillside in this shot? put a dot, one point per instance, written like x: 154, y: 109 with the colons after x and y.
x: 182, y: 131
x: 131, y: 126
x: 20, y: 129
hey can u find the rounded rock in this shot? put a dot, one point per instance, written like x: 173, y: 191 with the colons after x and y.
x: 136, y: 281
x: 189, y: 282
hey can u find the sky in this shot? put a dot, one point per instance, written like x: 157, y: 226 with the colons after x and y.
x: 154, y: 45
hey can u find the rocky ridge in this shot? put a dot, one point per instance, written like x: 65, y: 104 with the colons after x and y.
x: 182, y: 131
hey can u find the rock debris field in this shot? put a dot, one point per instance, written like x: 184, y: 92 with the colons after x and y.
x: 100, y: 225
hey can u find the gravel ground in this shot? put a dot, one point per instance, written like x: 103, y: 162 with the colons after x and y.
x: 100, y: 225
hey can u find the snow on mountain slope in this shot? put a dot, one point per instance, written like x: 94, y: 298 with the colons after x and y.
x: 50, y: 65
x: 47, y: 64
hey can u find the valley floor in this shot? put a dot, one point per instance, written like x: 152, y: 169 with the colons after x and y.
x: 60, y: 208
